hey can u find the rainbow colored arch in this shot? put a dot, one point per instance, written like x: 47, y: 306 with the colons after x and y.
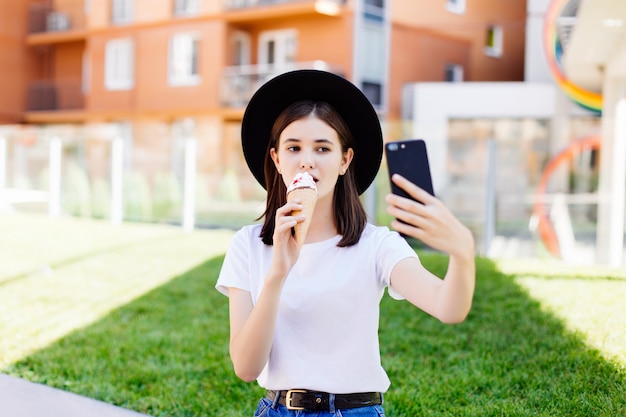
x: 546, y: 230
x: 554, y: 51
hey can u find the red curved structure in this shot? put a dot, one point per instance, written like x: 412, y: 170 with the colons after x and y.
x: 544, y: 225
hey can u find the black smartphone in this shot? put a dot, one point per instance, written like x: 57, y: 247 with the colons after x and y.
x: 409, y: 158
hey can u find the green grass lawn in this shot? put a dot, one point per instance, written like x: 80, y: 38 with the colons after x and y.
x: 147, y: 330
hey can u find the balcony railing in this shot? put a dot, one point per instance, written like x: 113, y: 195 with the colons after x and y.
x: 37, y: 17
x: 43, y: 18
x: 55, y: 95
x: 244, y: 4
x: 240, y: 82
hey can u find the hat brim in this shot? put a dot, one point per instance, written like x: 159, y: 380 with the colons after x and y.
x: 353, y: 106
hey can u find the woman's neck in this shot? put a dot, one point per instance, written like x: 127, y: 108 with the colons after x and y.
x: 323, y: 225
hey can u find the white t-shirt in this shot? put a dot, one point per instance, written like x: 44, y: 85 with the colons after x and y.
x: 326, y: 336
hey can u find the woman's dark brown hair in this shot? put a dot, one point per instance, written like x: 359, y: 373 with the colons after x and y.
x: 350, y: 216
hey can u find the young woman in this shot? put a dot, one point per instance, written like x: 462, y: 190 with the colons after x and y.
x: 304, y: 320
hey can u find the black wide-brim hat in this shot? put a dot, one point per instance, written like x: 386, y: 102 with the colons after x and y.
x: 283, y: 90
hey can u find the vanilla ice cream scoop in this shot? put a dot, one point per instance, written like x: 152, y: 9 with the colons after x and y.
x: 302, y: 180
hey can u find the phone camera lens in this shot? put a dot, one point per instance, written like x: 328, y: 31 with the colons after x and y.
x: 393, y: 146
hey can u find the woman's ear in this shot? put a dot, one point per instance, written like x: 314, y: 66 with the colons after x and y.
x: 274, y: 156
x: 346, y: 160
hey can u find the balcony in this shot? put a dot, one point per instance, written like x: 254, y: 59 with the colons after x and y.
x: 240, y: 82
x: 49, y: 26
x: 254, y: 10
x: 43, y: 18
x: 55, y: 95
x: 243, y: 4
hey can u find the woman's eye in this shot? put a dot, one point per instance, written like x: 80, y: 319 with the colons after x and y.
x: 323, y: 149
x: 293, y: 148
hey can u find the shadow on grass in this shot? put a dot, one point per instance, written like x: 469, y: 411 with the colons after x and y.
x: 509, y: 358
x: 166, y: 354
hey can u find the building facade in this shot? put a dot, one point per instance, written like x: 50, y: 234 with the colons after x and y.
x: 138, y: 87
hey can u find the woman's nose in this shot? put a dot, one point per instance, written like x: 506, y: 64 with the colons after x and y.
x: 307, y: 161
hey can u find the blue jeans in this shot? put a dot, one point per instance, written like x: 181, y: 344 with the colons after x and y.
x: 267, y: 408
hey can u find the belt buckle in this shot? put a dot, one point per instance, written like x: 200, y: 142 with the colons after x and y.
x: 289, y: 398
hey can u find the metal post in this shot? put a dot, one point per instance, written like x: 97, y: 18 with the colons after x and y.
x: 3, y: 162
x: 490, y: 197
x: 189, y: 192
x: 610, y: 229
x: 562, y: 221
x: 117, y: 176
x: 4, y: 205
x: 616, y: 232
x: 370, y: 202
x: 54, y: 180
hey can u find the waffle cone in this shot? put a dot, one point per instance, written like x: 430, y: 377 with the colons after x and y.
x: 308, y: 198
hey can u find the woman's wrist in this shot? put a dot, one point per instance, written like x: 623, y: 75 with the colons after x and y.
x: 275, y: 278
x: 465, y: 248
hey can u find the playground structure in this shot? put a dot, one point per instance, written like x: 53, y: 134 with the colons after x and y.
x: 599, y: 24
x: 553, y: 47
x: 541, y: 217
x: 589, y: 100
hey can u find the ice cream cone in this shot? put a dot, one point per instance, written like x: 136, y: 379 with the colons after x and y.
x: 303, y: 188
x: 308, y: 198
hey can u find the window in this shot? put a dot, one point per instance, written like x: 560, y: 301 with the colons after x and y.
x: 493, y: 45
x: 374, y: 10
x: 374, y: 92
x: 456, y: 6
x: 240, y: 48
x: 86, y: 76
x: 454, y: 73
x: 186, y: 7
x: 119, y: 64
x: 372, y: 51
x: 122, y: 11
x: 278, y: 47
x: 183, y: 65
x: 372, y: 58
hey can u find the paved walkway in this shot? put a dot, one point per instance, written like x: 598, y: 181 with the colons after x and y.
x: 20, y: 398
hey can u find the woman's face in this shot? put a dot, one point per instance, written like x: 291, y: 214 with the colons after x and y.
x: 311, y: 145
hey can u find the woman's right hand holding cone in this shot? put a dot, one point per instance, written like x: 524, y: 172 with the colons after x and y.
x: 285, y: 249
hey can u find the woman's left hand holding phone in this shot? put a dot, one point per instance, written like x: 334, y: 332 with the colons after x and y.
x: 429, y: 220
x: 434, y: 224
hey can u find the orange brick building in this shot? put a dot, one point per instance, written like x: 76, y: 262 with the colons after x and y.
x: 156, y: 72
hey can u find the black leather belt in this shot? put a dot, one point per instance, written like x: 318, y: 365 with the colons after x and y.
x: 299, y: 399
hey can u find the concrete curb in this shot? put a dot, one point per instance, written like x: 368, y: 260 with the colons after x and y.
x: 20, y: 398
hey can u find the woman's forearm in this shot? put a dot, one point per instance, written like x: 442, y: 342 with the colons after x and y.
x: 251, y: 345
x: 457, y: 290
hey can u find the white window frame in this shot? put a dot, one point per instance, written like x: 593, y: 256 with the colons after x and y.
x: 244, y: 39
x: 186, y: 7
x: 286, y: 44
x: 119, y: 64
x: 184, y: 50
x: 495, y: 33
x: 456, y: 6
x: 86, y: 73
x: 122, y: 11
x: 457, y: 71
